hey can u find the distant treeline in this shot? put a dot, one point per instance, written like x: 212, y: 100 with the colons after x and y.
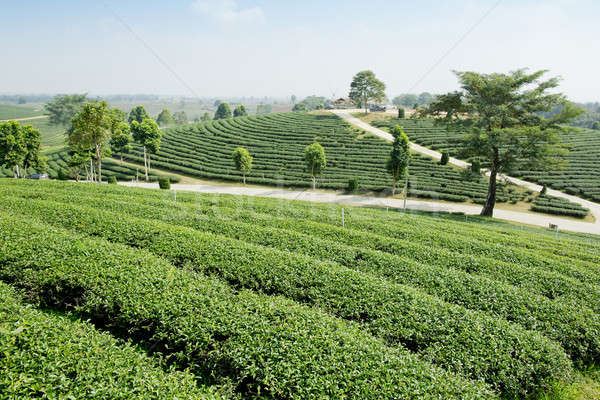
x: 590, y: 120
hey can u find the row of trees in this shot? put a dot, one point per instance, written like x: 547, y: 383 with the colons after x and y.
x: 97, y: 130
x: 20, y: 147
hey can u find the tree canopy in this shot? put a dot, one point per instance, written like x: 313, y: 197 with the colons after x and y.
x: 165, y: 118
x: 365, y: 87
x: 240, y: 111
x: 148, y: 135
x: 138, y: 113
x: 501, y: 117
x: 314, y: 156
x: 399, y: 156
x: 243, y: 161
x: 63, y: 108
x: 91, y: 130
x: 223, y: 111
x: 180, y: 118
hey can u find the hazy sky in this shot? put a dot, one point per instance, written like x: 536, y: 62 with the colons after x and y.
x: 279, y: 47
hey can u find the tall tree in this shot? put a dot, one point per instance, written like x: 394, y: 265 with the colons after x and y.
x: 33, y: 148
x: 205, y: 117
x: 180, y: 118
x: 148, y: 136
x: 314, y: 156
x: 240, y: 111
x: 165, y: 118
x: 92, y: 129
x: 364, y: 87
x: 407, y: 100
x: 399, y: 156
x: 12, y: 146
x: 223, y: 111
x: 138, y: 113
x: 120, y: 138
x: 500, y: 114
x: 76, y: 162
x: 63, y: 108
x: 243, y: 161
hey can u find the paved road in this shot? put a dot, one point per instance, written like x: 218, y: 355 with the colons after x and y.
x: 329, y: 197
x: 532, y: 219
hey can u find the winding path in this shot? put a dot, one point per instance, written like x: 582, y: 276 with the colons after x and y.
x: 527, y: 218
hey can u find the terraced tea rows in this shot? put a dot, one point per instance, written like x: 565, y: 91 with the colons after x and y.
x: 580, y: 177
x: 490, y: 302
x: 277, y: 142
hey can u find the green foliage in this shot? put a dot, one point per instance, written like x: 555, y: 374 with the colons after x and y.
x: 314, y: 157
x: 147, y: 134
x: 263, y: 109
x: 445, y: 158
x: 62, y: 175
x: 263, y: 345
x: 242, y: 161
x: 401, y: 113
x: 475, y: 166
x: 12, y: 145
x: 165, y: 118
x: 223, y: 112
x: 240, y: 111
x: 113, y: 180
x: 205, y: 117
x: 544, y: 190
x: 64, y: 107
x: 91, y: 129
x: 180, y: 118
x: 365, y: 87
x: 399, y: 156
x: 53, y: 354
x: 300, y: 107
x: 352, y: 185
x: 138, y: 113
x: 164, y: 183
x: 558, y: 206
x: 504, y: 123
x: 311, y: 103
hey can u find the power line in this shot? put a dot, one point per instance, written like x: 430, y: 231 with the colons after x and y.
x: 455, y: 45
x: 151, y: 50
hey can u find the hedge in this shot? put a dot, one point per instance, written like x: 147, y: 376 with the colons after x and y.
x: 46, y: 355
x: 512, y: 360
x: 265, y: 346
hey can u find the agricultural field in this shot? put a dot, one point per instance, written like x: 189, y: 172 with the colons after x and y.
x: 275, y: 299
x: 12, y: 111
x: 581, y: 176
x: 277, y: 142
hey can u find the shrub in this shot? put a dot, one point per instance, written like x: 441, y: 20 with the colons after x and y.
x: 49, y: 353
x: 482, y: 338
x: 164, y: 182
x: 401, y: 113
x: 352, y: 185
x: 476, y: 166
x: 445, y: 158
x: 62, y: 175
x: 112, y: 180
x: 544, y: 190
x: 264, y: 345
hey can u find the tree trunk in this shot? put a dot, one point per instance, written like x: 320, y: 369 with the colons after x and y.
x: 365, y: 104
x: 91, y: 170
x: 145, y: 165
x: 99, y: 162
x: 490, y: 203
x: 24, y: 170
x: 244, y: 175
x: 394, y: 187
x: 314, y: 182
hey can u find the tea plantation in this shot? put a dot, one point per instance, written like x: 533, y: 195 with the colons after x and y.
x: 581, y: 176
x: 277, y: 142
x: 102, y: 285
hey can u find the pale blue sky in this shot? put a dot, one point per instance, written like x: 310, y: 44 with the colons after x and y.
x: 279, y: 48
